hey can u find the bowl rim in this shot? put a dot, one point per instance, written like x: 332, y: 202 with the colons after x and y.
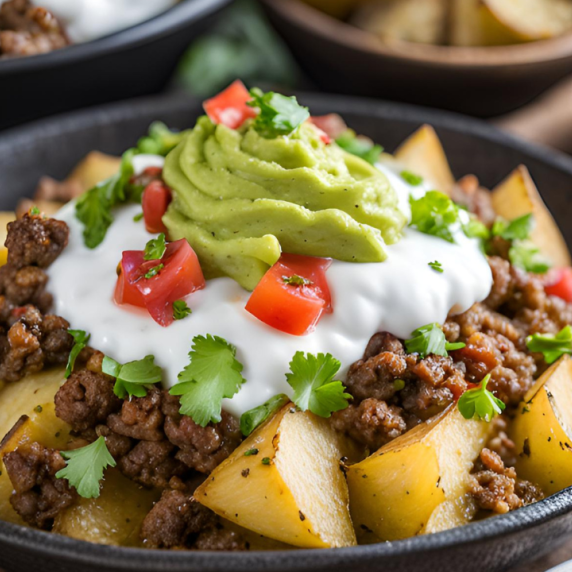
x: 163, y: 24
x: 121, y: 558
x: 329, y: 28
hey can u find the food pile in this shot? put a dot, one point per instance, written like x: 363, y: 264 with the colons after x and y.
x: 459, y: 419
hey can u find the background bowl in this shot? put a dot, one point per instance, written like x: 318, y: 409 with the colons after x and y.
x: 53, y: 146
x: 136, y: 61
x: 483, y: 81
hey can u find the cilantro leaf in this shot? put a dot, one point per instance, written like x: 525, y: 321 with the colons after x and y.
x: 517, y: 229
x: 154, y: 271
x: 411, y: 178
x: 312, y: 379
x: 138, y: 217
x: 437, y: 266
x: 360, y: 146
x: 476, y: 229
x: 81, y: 339
x: 155, y: 248
x: 296, y: 280
x: 132, y: 378
x: 278, y: 114
x: 84, y: 467
x: 434, y: 213
x: 93, y: 208
x: 213, y: 374
x: 480, y: 403
x: 250, y: 420
x: 430, y: 339
x: 181, y: 310
x: 552, y: 346
x: 524, y: 254
x: 34, y: 211
x: 160, y: 139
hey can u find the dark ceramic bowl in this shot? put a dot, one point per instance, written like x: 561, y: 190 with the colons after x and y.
x: 482, y: 81
x: 53, y: 146
x: 132, y: 62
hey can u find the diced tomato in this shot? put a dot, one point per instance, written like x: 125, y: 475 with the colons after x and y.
x: 229, y: 107
x: 291, y: 308
x: 153, y: 172
x: 559, y: 283
x: 332, y: 124
x: 180, y: 275
x: 155, y: 200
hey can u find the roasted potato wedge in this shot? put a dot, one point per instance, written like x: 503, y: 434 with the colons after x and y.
x: 114, y: 517
x: 542, y: 430
x: 423, y: 154
x: 291, y: 490
x: 516, y: 196
x: 417, y: 483
x: 420, y: 21
x: 93, y: 169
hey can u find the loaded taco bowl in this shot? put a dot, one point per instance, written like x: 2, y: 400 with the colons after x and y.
x: 264, y: 333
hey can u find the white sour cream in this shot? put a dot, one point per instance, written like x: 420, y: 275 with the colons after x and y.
x: 86, y: 20
x: 398, y: 295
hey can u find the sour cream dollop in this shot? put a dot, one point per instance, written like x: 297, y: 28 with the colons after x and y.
x: 398, y: 296
x: 87, y: 20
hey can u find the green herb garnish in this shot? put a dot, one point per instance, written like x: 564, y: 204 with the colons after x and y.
x: 552, y: 346
x: 84, y: 467
x: 154, y: 271
x: 213, y: 374
x: 411, y: 178
x: 80, y: 339
x: 430, y: 339
x: 266, y: 461
x: 278, y: 114
x: 312, y: 379
x: 480, y: 403
x: 160, y: 139
x: 155, y: 248
x: 517, y: 229
x: 250, y: 420
x: 296, y: 280
x: 360, y: 146
x: 34, y: 211
x: 525, y: 255
x: 138, y: 217
x: 181, y: 310
x: 251, y: 452
x: 437, y: 266
x: 434, y: 213
x: 133, y: 378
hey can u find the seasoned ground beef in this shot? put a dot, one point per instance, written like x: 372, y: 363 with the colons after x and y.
x: 476, y: 199
x: 38, y: 496
x: 177, y: 521
x: 27, y: 30
x: 496, y: 488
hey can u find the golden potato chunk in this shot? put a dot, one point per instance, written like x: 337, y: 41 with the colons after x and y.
x: 418, y: 483
x: 285, y: 482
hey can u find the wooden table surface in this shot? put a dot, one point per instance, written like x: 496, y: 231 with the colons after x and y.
x: 547, y: 562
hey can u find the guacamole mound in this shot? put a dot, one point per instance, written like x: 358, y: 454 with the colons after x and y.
x: 240, y: 200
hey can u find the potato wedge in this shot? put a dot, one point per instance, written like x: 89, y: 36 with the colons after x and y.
x: 420, y: 21
x: 93, y: 169
x: 114, y: 518
x: 292, y: 490
x: 423, y: 154
x: 542, y: 430
x: 516, y: 196
x: 417, y: 483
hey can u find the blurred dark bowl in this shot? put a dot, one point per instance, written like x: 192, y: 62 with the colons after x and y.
x: 483, y: 81
x: 136, y: 61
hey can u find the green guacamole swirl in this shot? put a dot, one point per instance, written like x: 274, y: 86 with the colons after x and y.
x: 240, y: 200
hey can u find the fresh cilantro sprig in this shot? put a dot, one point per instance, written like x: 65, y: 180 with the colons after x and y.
x: 84, y: 467
x: 312, y: 379
x: 213, y: 374
x: 480, y: 403
x: 437, y: 266
x: 154, y: 271
x: 132, y: 379
x: 435, y: 214
x: 526, y: 255
x: 93, y: 208
x: 411, y: 178
x: 551, y: 346
x: 155, y: 248
x: 181, y: 310
x: 360, y: 146
x: 250, y: 420
x: 81, y: 340
x: 160, y: 139
x: 278, y: 114
x: 430, y: 339
x: 516, y: 229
